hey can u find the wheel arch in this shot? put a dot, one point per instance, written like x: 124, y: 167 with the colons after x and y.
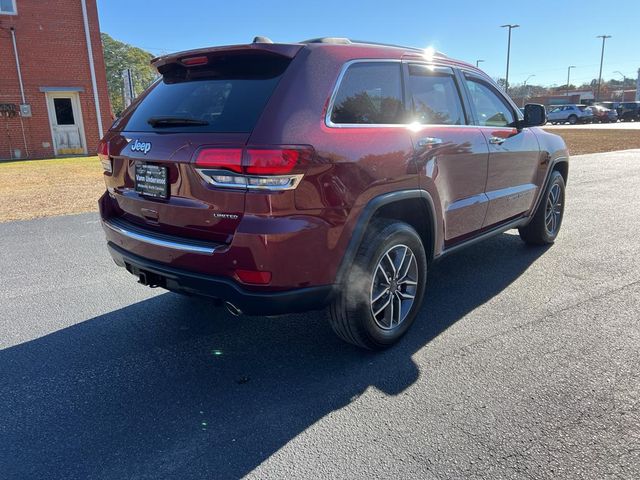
x: 415, y: 207
x: 560, y: 164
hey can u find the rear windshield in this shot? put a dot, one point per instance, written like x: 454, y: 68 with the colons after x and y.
x: 226, y: 96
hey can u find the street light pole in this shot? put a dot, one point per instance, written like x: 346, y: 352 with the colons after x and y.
x: 568, y: 77
x: 604, y: 38
x: 506, y: 80
x: 526, y: 90
x: 478, y: 62
x: 624, y: 80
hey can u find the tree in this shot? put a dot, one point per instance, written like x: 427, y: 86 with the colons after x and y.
x: 119, y: 56
x: 520, y: 90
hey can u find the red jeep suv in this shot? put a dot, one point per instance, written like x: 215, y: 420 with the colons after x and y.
x: 281, y: 178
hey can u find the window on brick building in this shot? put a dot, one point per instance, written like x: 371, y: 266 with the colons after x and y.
x: 8, y: 7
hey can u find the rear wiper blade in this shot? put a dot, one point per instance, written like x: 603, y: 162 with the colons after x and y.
x: 174, y: 121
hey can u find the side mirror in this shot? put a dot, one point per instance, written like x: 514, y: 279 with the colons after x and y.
x: 534, y: 115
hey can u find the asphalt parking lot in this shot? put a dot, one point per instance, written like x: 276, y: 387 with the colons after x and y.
x: 524, y: 363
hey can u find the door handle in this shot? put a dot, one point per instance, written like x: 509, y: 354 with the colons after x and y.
x: 497, y: 140
x: 429, y: 142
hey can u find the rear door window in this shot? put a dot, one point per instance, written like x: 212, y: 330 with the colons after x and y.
x: 369, y: 93
x: 226, y: 96
x: 434, y: 96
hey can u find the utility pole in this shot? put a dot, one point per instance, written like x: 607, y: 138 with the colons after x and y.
x: 478, y: 62
x: 568, y: 77
x: 604, y: 38
x: 526, y: 90
x: 528, y: 78
x: 506, y: 80
x: 129, y: 94
x: 624, y: 80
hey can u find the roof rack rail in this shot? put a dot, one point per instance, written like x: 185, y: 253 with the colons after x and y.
x: 332, y: 40
x: 347, y: 41
x: 381, y: 44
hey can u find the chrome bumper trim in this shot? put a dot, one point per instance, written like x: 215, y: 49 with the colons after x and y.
x: 159, y: 242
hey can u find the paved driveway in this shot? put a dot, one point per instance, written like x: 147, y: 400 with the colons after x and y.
x: 524, y: 363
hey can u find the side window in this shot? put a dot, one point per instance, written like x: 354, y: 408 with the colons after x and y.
x: 370, y: 93
x: 8, y: 7
x: 435, y: 99
x: 492, y: 110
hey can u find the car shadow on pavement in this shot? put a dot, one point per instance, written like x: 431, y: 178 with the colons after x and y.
x: 171, y: 386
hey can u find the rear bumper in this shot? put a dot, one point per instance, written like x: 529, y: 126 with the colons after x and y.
x: 250, y: 302
x: 277, y: 244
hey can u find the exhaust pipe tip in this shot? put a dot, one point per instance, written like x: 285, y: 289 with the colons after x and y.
x: 232, y: 309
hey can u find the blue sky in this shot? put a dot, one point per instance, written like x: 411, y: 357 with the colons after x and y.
x: 553, y: 34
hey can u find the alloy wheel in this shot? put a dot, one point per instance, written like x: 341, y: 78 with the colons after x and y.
x: 394, y: 287
x: 553, y: 210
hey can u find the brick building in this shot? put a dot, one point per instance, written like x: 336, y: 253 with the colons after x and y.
x: 50, y: 88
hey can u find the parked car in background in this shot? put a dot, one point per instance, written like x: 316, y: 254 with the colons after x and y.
x: 629, y: 112
x: 282, y: 178
x: 570, y: 113
x: 611, y: 105
x: 604, y: 115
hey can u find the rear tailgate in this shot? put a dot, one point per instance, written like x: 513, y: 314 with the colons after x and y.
x: 192, y: 208
x: 208, y: 98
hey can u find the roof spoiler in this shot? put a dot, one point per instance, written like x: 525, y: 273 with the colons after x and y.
x: 260, y: 46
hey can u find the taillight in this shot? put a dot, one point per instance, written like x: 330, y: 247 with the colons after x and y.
x: 103, y: 155
x: 272, y: 161
x: 195, y: 61
x: 253, y: 168
x: 225, y: 158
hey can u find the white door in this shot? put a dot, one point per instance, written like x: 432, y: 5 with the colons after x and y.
x: 65, y: 118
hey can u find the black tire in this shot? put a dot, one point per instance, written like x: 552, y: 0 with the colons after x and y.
x: 351, y: 312
x: 572, y: 119
x: 538, y: 231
